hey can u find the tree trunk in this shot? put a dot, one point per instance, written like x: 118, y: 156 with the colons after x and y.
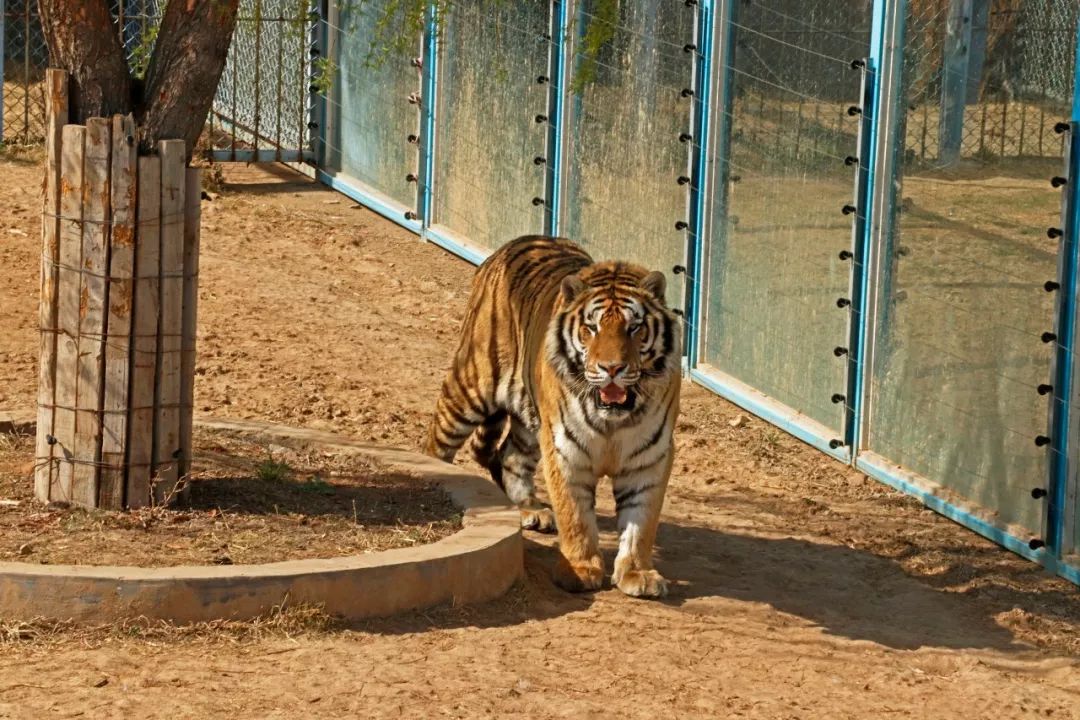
x: 83, y: 40
x: 182, y: 77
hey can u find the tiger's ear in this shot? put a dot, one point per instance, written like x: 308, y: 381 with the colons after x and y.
x: 572, y: 286
x: 655, y: 284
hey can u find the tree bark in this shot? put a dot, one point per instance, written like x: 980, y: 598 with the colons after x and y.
x: 83, y: 40
x: 182, y: 77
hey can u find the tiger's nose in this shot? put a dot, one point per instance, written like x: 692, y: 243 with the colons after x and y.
x: 612, y: 369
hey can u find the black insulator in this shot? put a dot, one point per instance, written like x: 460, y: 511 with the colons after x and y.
x: 314, y: 52
x: 1038, y: 493
x: 539, y: 160
x: 313, y: 88
x: 690, y: 3
x: 130, y: 139
x: 682, y: 180
x: 839, y: 351
x: 410, y: 178
x: 542, y: 79
x: 854, y: 110
x: 685, y: 137
x: 687, y: 92
x: 410, y: 215
x: 545, y: 37
x: 851, y: 160
x: 1061, y: 127
x: 1057, y: 181
x: 1048, y: 337
x: 538, y: 201
x: 834, y: 444
x: 902, y: 251
x: 837, y: 398
x: 1051, y: 285
x: 312, y: 125
x: 677, y: 311
x: 681, y: 225
x: 1036, y: 544
x: 842, y: 302
x: 678, y: 270
x: 414, y: 139
x: 858, y: 64
x: 1041, y: 441
x: 847, y: 209
x: 845, y: 255
x: 1053, y: 233
x: 1045, y: 389
x: 541, y: 118
x: 735, y: 178
x: 50, y: 439
x: 689, y: 48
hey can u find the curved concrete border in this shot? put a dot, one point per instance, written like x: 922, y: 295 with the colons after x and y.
x: 479, y: 562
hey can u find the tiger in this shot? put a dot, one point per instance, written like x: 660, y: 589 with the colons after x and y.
x: 576, y: 363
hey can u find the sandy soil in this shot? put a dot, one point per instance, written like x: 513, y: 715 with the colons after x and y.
x: 804, y: 590
x: 246, y: 501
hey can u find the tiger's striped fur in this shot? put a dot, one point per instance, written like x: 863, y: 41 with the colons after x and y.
x: 578, y: 364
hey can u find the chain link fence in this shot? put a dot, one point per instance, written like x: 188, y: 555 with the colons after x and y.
x: 986, y: 79
x: 261, y: 111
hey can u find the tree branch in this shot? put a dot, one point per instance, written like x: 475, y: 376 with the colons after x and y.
x: 184, y: 70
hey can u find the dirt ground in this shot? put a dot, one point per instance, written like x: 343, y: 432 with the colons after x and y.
x: 246, y: 501
x: 802, y: 589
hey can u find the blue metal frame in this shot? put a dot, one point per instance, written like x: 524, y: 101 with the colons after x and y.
x: 429, y: 101
x: 699, y: 183
x: 1065, y: 330
x: 862, y: 319
x: 555, y: 152
x: 861, y: 243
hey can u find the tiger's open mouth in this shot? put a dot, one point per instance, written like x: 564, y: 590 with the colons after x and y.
x: 615, y: 397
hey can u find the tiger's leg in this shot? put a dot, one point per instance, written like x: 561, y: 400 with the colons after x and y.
x: 458, y: 412
x: 639, y: 497
x: 573, y: 495
x: 518, y: 457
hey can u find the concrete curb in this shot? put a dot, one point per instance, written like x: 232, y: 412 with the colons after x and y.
x: 480, y: 562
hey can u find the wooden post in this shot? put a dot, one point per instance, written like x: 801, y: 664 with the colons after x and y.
x: 119, y: 292
x: 118, y: 350
x: 167, y: 400
x: 73, y: 145
x: 91, y: 318
x: 56, y: 116
x: 144, y: 336
x: 192, y: 216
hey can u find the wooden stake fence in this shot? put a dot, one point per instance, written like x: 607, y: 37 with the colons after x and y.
x: 119, y: 284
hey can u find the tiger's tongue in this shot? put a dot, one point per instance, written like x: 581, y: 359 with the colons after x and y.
x: 612, y: 394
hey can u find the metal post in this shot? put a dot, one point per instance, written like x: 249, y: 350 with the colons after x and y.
x: 701, y: 168
x: 884, y: 154
x: 864, y: 154
x: 429, y: 102
x: 710, y: 178
x: 954, y: 80
x: 559, y: 64
x: 1062, y: 523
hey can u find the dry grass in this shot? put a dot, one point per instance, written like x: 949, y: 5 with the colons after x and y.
x: 282, y: 622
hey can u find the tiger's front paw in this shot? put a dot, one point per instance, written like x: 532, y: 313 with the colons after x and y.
x: 579, y: 576
x: 539, y: 519
x: 642, y: 584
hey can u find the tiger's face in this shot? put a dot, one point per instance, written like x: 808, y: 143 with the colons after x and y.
x: 614, y: 334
